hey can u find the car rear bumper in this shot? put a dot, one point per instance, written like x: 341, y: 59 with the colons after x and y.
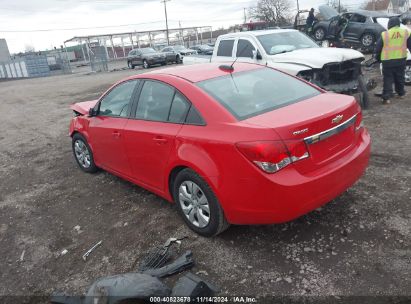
x: 288, y: 194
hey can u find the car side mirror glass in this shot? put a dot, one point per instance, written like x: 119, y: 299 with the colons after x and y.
x: 92, y: 112
x: 257, y: 55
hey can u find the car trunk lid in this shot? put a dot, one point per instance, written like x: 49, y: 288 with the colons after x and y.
x: 325, y: 122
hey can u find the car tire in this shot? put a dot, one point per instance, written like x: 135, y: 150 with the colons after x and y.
x: 146, y: 65
x: 163, y: 63
x: 363, y: 90
x: 201, y: 210
x: 83, y: 154
x: 319, y: 34
x: 130, y: 65
x: 367, y: 40
x: 178, y: 59
x: 407, y: 75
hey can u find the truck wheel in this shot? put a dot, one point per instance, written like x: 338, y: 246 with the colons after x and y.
x: 364, y: 98
x: 319, y: 34
x: 367, y: 40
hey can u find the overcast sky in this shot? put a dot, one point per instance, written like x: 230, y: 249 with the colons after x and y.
x: 44, y: 24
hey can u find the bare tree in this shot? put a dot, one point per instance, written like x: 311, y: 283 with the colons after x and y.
x: 28, y: 48
x: 273, y: 11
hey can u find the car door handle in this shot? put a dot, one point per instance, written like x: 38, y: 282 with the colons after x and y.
x: 116, y: 134
x: 160, y: 140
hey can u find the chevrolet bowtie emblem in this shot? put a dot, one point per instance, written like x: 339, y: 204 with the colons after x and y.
x: 337, y: 119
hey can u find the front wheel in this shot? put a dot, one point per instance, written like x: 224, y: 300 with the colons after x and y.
x: 363, y: 90
x: 319, y: 34
x: 367, y: 40
x: 198, y: 205
x: 145, y: 64
x: 83, y: 154
x: 130, y: 65
x: 178, y: 59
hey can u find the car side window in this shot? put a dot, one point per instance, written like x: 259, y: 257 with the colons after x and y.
x: 194, y: 118
x: 131, y: 53
x: 166, y: 49
x: 155, y: 101
x: 245, y: 48
x: 116, y: 103
x: 225, y: 48
x: 179, y: 109
x: 358, y: 18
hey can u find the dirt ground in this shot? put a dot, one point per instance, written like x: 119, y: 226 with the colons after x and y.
x: 357, y: 245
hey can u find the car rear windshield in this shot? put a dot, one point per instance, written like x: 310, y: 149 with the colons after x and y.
x: 277, y: 43
x: 147, y: 50
x: 250, y: 93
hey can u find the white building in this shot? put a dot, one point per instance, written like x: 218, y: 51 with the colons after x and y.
x: 4, y: 51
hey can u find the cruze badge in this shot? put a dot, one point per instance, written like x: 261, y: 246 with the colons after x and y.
x: 300, y: 131
x: 337, y: 119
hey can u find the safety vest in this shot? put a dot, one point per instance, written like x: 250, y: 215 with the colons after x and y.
x: 395, y: 43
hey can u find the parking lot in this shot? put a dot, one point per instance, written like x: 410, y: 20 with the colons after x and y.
x: 359, y: 244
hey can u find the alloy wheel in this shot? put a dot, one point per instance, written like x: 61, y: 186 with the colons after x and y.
x: 367, y: 40
x: 145, y: 64
x: 194, y: 204
x: 319, y: 34
x: 82, y: 153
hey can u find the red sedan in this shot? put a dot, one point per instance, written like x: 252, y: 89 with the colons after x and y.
x: 243, y: 145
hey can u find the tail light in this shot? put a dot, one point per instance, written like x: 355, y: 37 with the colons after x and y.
x: 272, y: 156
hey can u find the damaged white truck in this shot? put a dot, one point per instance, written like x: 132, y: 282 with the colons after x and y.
x: 333, y: 69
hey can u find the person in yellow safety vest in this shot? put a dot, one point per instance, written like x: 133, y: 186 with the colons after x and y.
x: 391, y: 50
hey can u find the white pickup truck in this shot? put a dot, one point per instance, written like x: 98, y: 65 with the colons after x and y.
x: 333, y: 69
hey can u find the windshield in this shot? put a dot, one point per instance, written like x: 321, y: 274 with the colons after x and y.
x: 277, y: 43
x: 250, y: 93
x: 147, y: 51
x: 327, y: 12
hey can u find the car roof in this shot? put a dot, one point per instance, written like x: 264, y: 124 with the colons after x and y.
x: 369, y: 13
x: 202, y: 71
x: 257, y: 33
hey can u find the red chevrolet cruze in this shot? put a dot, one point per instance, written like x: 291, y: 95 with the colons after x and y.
x: 243, y: 145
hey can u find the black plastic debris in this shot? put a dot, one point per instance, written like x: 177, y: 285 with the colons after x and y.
x: 182, y: 263
x: 193, y: 286
x: 117, y: 288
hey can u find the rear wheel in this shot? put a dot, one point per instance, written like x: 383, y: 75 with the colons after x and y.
x: 367, y: 40
x: 178, y: 59
x: 198, y: 205
x: 83, y: 154
x: 319, y: 34
x: 130, y: 65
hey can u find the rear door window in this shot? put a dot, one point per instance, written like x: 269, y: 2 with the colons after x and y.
x: 250, y: 93
x: 155, y: 101
x: 179, y: 109
x: 225, y: 48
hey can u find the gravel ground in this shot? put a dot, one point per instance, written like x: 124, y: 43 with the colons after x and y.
x: 357, y: 245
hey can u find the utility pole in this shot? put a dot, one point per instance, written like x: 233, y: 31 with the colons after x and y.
x: 245, y: 16
x: 298, y: 7
x: 339, y: 6
x: 165, y: 12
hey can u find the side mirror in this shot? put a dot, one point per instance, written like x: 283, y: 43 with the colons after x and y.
x: 257, y: 55
x: 92, y: 112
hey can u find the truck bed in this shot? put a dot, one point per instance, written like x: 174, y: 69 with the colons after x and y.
x: 194, y: 59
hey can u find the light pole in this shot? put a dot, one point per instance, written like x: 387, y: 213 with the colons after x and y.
x: 165, y: 12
